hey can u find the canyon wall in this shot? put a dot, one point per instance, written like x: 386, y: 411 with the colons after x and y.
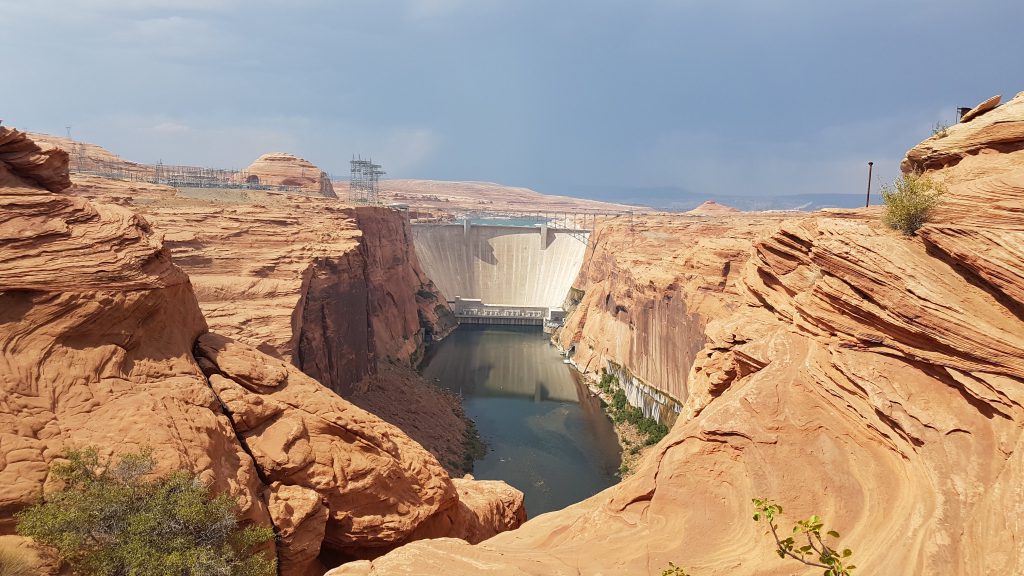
x: 103, y: 343
x: 333, y: 289
x: 644, y: 295
x: 330, y: 288
x: 841, y: 369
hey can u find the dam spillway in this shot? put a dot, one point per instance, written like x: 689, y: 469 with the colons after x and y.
x: 501, y: 274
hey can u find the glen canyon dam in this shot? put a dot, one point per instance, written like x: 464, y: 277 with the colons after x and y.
x: 501, y: 274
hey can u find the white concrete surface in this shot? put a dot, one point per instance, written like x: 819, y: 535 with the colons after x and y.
x: 500, y: 265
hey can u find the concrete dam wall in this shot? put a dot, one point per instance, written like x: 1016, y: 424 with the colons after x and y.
x: 505, y: 267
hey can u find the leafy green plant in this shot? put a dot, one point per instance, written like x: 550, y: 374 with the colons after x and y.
x: 619, y: 400
x: 15, y: 561
x: 114, y: 518
x: 909, y: 200
x: 673, y: 570
x: 816, y: 552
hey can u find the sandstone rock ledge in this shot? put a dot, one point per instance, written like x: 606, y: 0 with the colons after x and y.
x: 97, y: 328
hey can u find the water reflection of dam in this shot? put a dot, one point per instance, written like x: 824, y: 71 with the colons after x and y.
x: 546, y: 434
x: 491, y: 365
x: 496, y: 270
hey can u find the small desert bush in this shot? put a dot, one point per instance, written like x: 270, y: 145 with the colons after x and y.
x: 15, y: 561
x: 940, y: 129
x: 673, y: 570
x: 608, y: 382
x: 114, y: 519
x: 909, y: 200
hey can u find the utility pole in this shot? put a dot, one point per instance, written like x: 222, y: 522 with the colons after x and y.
x: 868, y: 201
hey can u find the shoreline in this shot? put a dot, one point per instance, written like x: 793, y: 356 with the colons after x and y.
x: 631, y: 440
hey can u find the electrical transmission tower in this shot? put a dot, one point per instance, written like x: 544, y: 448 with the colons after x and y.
x: 363, y: 180
x: 77, y: 153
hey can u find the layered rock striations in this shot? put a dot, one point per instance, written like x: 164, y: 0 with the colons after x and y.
x: 335, y: 290
x: 104, y: 344
x: 644, y: 296
x: 330, y: 288
x: 841, y: 369
x: 378, y: 488
x: 97, y: 326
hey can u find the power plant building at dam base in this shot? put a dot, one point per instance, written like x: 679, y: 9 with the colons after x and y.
x: 501, y: 274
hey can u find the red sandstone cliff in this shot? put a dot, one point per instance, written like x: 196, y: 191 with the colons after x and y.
x: 647, y: 290
x: 97, y: 327
x: 333, y: 289
x: 838, y: 367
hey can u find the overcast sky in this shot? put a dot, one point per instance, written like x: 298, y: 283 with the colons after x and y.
x: 752, y: 97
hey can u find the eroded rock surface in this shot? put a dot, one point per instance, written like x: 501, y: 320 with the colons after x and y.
x: 97, y: 328
x: 380, y: 487
x: 644, y: 297
x: 335, y: 290
x: 838, y: 367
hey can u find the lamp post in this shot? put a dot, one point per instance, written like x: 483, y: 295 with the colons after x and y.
x: 867, y: 202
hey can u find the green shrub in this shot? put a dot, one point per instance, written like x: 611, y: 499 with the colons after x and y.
x: 909, y: 200
x: 608, y: 382
x: 940, y: 129
x: 15, y: 561
x: 114, y: 519
x: 619, y: 400
x: 621, y: 412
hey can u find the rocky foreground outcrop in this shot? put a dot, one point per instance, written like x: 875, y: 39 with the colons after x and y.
x: 97, y: 327
x: 103, y: 343
x: 838, y: 367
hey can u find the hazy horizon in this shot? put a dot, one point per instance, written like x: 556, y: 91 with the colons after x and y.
x: 659, y: 98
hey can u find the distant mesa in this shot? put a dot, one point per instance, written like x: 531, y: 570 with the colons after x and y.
x: 711, y: 208
x: 284, y: 169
